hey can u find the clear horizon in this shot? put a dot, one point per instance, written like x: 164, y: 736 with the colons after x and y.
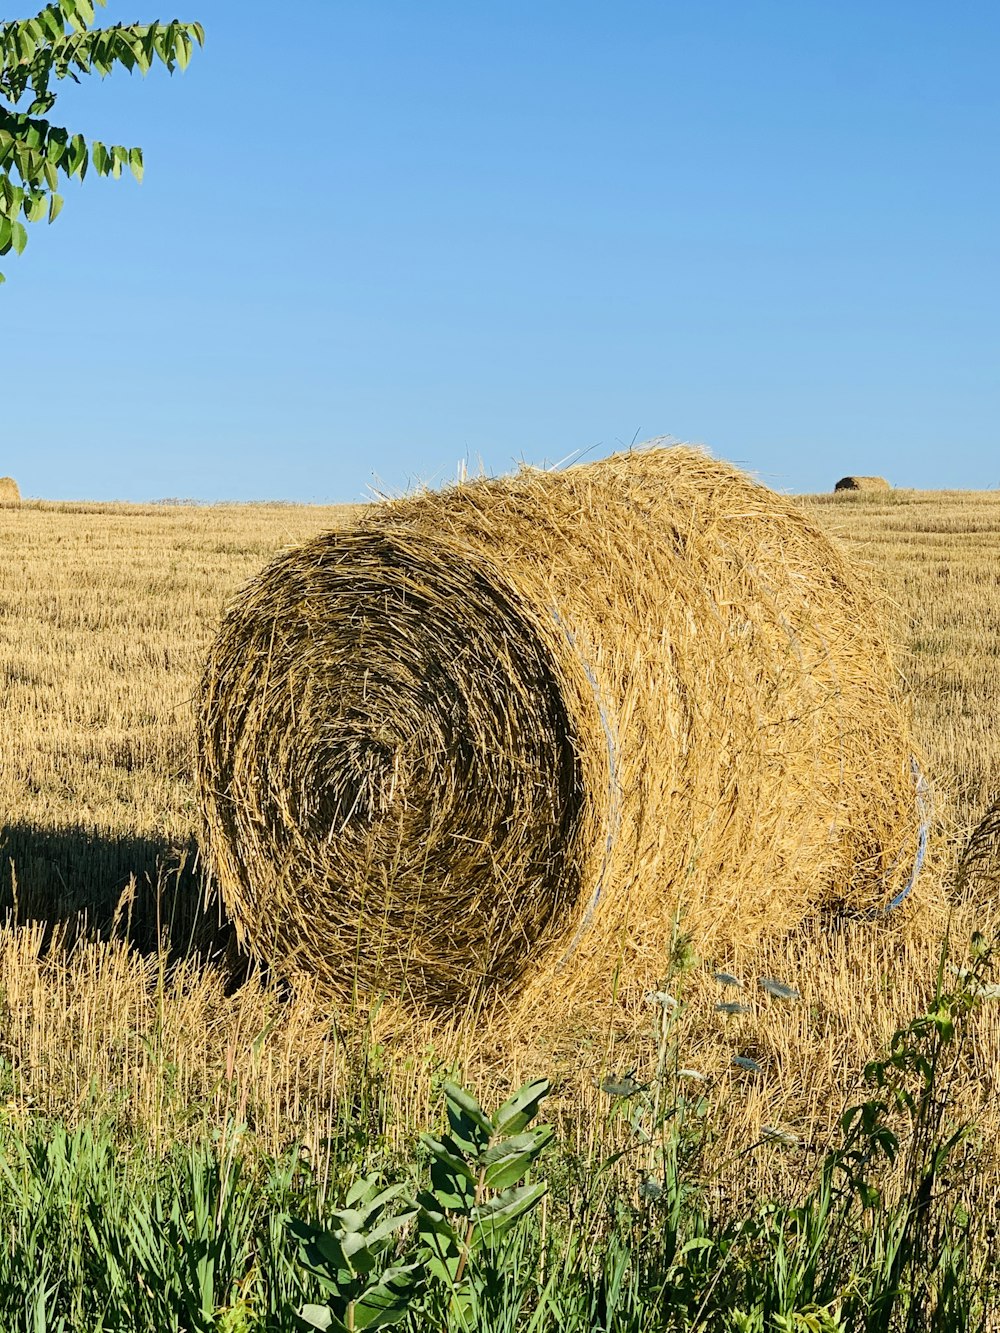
x: 373, y: 242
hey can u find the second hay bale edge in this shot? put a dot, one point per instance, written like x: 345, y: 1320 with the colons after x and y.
x: 523, y: 724
x: 10, y: 494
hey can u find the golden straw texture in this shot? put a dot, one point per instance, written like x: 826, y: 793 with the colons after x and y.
x: 9, y: 493
x: 862, y: 484
x: 507, y: 733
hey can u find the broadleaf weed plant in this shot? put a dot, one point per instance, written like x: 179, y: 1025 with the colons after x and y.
x: 460, y: 1261
x: 882, y: 1238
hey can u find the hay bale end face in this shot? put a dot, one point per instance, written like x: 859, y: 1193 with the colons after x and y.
x: 508, y: 734
x: 862, y: 484
x: 10, y: 495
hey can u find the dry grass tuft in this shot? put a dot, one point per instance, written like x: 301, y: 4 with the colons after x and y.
x: 510, y: 734
x: 979, y: 863
x: 862, y: 484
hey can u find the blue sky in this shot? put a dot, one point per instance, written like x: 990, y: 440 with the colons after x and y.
x: 378, y: 237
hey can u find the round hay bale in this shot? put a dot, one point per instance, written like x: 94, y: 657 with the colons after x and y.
x: 9, y: 493
x: 527, y: 723
x: 862, y: 484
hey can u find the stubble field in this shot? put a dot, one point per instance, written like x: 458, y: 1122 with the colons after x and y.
x: 106, y: 614
x: 124, y: 998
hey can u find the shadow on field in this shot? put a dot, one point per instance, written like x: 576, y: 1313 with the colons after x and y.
x: 144, y: 890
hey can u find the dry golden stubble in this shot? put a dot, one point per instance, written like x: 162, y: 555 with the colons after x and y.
x: 978, y: 872
x: 109, y: 612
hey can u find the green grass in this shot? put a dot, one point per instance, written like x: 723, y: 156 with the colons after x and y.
x: 878, y: 1232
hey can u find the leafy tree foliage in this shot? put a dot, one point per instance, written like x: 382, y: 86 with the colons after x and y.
x: 62, y: 43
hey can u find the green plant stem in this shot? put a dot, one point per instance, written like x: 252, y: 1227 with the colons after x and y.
x: 467, y: 1239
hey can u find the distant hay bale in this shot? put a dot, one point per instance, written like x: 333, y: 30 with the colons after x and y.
x: 9, y: 493
x: 506, y: 734
x: 862, y: 484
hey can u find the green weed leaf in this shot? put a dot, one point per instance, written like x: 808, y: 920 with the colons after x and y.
x: 508, y: 1161
x: 495, y: 1218
x: 521, y: 1109
x: 471, y: 1128
x: 321, y: 1317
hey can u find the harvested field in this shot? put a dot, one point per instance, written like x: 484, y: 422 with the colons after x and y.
x: 106, y: 617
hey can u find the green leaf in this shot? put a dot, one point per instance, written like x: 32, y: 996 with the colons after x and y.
x: 321, y: 1317
x: 506, y: 1172
x: 387, y: 1301
x: 434, y: 1229
x: 362, y: 1191
x: 447, y: 1152
x: 84, y: 12
x: 135, y: 162
x: 55, y: 206
x: 18, y: 236
x: 78, y: 156
x: 696, y: 1243
x: 471, y: 1128
x: 495, y: 1217
x: 453, y: 1180
x: 387, y: 1228
x: 372, y: 1199
x: 443, y: 1266
x: 321, y: 1252
x: 453, y: 1195
x: 508, y: 1161
x: 522, y: 1108
x: 53, y: 23
x: 532, y: 1141
x: 183, y: 48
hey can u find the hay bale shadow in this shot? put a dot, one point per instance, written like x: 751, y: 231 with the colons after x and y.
x: 80, y: 881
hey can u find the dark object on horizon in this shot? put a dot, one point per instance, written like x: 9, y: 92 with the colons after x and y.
x: 862, y: 484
